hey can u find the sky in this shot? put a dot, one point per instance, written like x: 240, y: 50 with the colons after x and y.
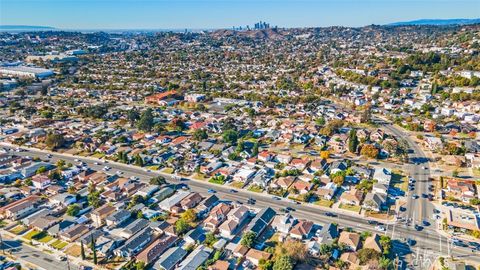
x: 210, y: 14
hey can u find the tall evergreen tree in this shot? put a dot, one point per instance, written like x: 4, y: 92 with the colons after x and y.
x: 94, y: 250
x: 82, y: 250
x: 353, y: 141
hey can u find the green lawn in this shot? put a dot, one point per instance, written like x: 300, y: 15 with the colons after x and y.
x: 45, y: 239
x: 216, y: 181
x: 3, y: 223
x: 153, y: 167
x: 98, y: 155
x: 237, y: 184
x: 168, y: 170
x: 324, y: 203
x: 255, y: 188
x: 354, y: 208
x: 31, y: 234
x: 59, y: 244
x: 199, y: 176
x: 18, y: 229
x: 399, y: 181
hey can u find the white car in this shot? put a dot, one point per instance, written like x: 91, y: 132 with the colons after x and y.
x: 106, y: 168
x: 119, y: 172
x: 380, y: 228
x: 96, y: 163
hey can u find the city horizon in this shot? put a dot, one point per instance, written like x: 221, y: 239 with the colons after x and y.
x: 126, y: 14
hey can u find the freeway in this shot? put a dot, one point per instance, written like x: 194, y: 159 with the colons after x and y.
x: 427, y: 240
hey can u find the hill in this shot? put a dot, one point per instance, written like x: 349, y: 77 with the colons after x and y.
x: 438, y: 22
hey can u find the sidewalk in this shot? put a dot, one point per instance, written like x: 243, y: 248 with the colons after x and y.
x: 206, y: 183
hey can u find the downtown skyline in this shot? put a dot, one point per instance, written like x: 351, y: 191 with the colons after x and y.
x: 211, y: 14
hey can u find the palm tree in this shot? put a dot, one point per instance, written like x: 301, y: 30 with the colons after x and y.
x: 384, y: 263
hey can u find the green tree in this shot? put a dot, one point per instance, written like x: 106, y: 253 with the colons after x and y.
x: 210, y: 239
x: 240, y: 146
x: 73, y: 209
x: 283, y: 263
x: 93, y: 199
x: 320, y: 121
x: 181, y: 226
x: 200, y: 135
x: 41, y: 170
x: 386, y: 244
x: 82, y: 250
x: 367, y: 254
x: 255, y: 149
x: 133, y: 116
x: 353, y: 141
x: 146, y: 120
x: 189, y: 215
x: 94, y: 249
x: 139, y: 160
x: 28, y: 182
x: 230, y: 136
x: 384, y: 263
x: 140, y: 265
x: 54, y: 140
x: 157, y: 180
x: 248, y: 239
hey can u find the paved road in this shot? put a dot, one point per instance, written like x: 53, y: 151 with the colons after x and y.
x: 26, y: 254
x: 419, y: 209
x: 427, y: 240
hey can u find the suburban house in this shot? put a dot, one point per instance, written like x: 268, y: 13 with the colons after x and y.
x: 350, y: 239
x: 156, y: 248
x: 283, y: 223
x: 217, y: 215
x: 170, y: 258
x: 261, y: 221
x: 196, y: 258
x: 302, y: 230
x: 118, y: 217
x: 234, y: 218
x: 99, y: 215
x: 20, y: 208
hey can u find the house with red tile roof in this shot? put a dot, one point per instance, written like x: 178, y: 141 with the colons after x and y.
x: 156, y: 98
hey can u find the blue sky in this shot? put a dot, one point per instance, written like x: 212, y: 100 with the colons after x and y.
x: 180, y: 14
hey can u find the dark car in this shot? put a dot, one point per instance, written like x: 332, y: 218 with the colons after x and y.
x: 411, y: 242
x: 425, y: 223
x: 418, y: 227
x: 330, y: 214
x: 373, y: 222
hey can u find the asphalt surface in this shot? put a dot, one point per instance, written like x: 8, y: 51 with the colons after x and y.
x: 26, y: 254
x: 428, y: 243
x: 418, y: 209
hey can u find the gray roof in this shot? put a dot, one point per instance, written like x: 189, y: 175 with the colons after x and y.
x: 136, y: 226
x: 119, y: 215
x: 328, y: 233
x: 136, y: 241
x: 261, y: 220
x: 195, y: 259
x: 170, y: 258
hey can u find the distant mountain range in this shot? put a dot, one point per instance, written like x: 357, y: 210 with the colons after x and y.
x: 438, y: 22
x: 25, y: 28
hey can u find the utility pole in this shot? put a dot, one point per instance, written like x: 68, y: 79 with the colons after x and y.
x: 68, y: 263
x: 1, y: 244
